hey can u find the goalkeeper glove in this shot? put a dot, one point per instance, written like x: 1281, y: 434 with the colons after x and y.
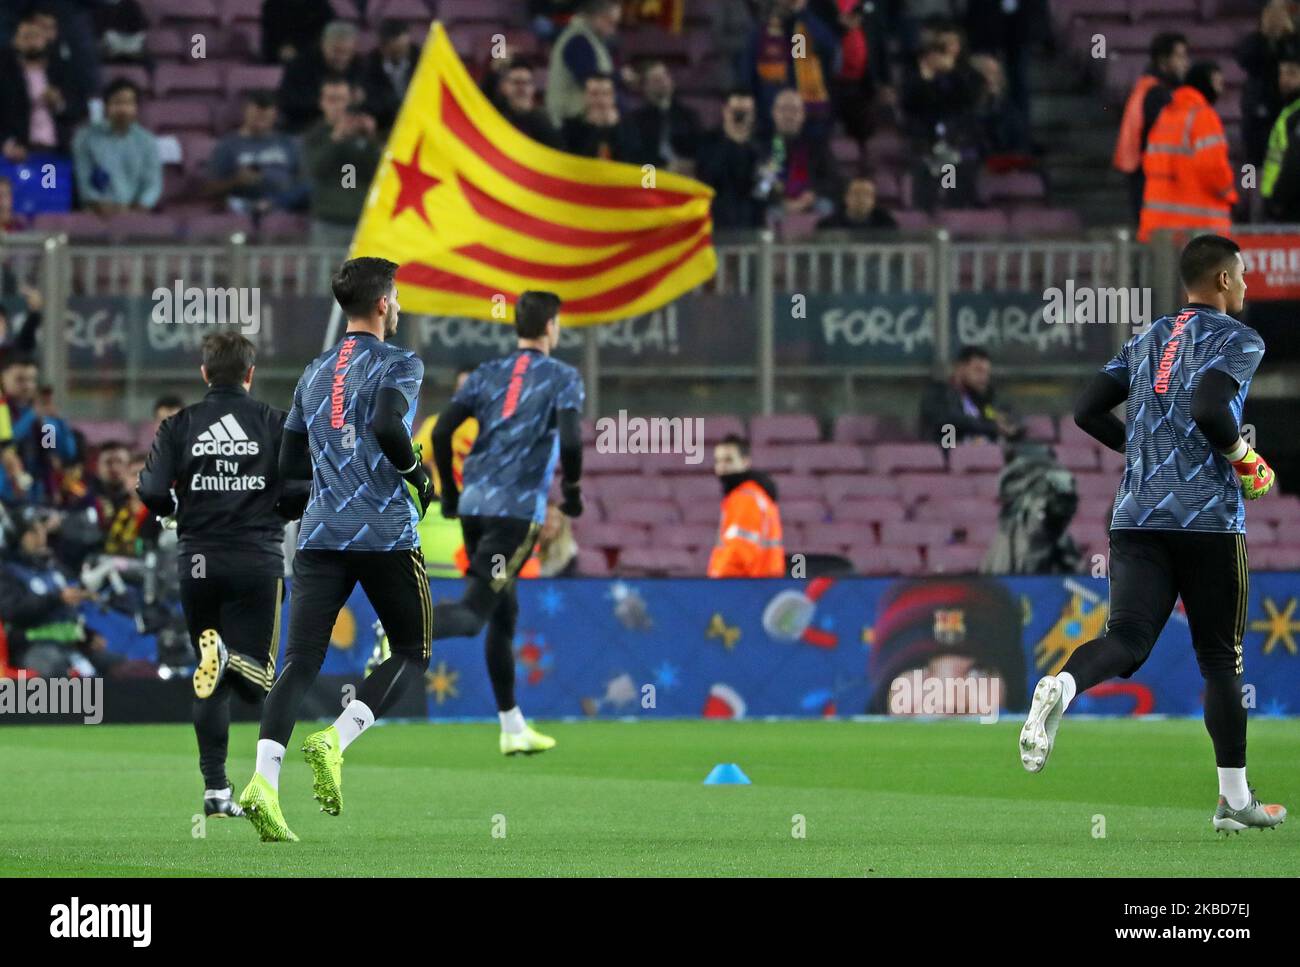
x: 450, y: 501
x: 420, y: 483
x: 1255, y: 475
x: 571, y: 506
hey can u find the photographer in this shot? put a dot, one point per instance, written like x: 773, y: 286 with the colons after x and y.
x: 728, y: 163
x: 214, y: 468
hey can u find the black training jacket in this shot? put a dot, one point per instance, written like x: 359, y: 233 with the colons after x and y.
x: 219, y: 457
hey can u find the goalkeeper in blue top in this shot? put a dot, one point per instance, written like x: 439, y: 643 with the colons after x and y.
x: 529, y: 411
x: 1179, y: 519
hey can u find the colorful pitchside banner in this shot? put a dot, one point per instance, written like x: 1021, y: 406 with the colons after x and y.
x: 475, y: 213
x: 654, y: 648
x: 1272, y: 266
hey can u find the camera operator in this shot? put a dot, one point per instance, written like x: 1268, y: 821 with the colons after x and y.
x: 213, y: 467
x: 728, y: 162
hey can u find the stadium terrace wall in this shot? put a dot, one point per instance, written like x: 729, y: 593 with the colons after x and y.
x: 654, y: 648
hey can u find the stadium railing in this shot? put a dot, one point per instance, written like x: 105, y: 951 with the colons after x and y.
x: 793, y: 310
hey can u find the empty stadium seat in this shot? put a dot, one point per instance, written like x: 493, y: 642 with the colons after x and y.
x: 783, y: 428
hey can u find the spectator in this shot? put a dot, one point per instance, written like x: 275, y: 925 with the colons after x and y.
x: 581, y: 51
x: 732, y: 24
x: 667, y: 130
x: 965, y: 408
x: 798, y: 174
x: 600, y: 132
x: 164, y: 406
x: 1150, y: 93
x: 728, y: 163
x: 345, y: 135
x: 1002, y: 129
x: 41, y: 444
x: 116, y: 160
x: 386, y: 72
x: 938, y: 103
x: 10, y: 221
x: 749, y: 534
x: 863, y: 72
x: 256, y: 168
x: 40, y: 103
x: 39, y: 605
x: 23, y: 341
x: 1279, y: 182
x: 776, y: 61
x: 127, y: 523
x: 122, y: 27
x: 1007, y: 29
x: 335, y: 56
x: 516, y: 98
x: 544, y: 14
x: 291, y: 27
x: 70, y: 38
x: 858, y: 211
x: 1190, y: 182
x: 557, y: 551
x: 1261, y: 101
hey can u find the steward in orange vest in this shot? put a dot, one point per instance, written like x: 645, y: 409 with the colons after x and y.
x: 1190, y: 184
x: 749, y: 535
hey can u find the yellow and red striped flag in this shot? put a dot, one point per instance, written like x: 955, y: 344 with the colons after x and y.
x: 475, y: 213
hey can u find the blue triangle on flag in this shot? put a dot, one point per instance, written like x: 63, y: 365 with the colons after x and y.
x: 727, y: 774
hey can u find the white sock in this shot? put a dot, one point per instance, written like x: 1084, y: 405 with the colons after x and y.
x: 270, y: 755
x: 217, y: 793
x: 356, y: 718
x: 512, y: 721
x: 1232, y: 787
x: 1068, y: 689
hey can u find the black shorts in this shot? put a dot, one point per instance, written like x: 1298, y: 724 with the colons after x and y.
x: 394, y: 581
x: 241, y: 598
x: 1151, y: 569
x: 498, y: 547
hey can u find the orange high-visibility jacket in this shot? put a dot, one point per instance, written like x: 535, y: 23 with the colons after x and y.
x: 749, y: 536
x: 1189, y: 182
x: 1128, y: 146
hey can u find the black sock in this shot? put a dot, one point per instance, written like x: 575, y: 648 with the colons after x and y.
x: 282, y: 704
x: 1225, y: 719
x: 387, y: 683
x: 499, y: 647
x: 212, y: 728
x: 1096, y: 661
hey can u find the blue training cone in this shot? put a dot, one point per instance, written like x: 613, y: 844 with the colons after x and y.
x: 727, y: 774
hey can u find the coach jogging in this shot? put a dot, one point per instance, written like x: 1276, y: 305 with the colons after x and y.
x: 214, y: 468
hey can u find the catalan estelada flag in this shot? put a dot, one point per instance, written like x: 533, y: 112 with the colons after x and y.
x: 475, y: 213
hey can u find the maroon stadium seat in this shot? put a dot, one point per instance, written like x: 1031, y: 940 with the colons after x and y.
x: 876, y: 511
x: 1040, y: 427
x: 610, y: 536
x: 907, y: 457
x: 975, y: 457
x: 903, y: 532
x: 798, y: 487
x: 144, y: 226
x: 592, y: 563
x: 1045, y: 221
x: 170, y: 79
x: 217, y: 227
x: 901, y: 561
x: 177, y: 114
x: 642, y: 512
x: 974, y: 222
x: 783, y: 428
x: 954, y: 558
x: 690, y: 536
x: 802, y: 511
x: 82, y: 226
x: 656, y: 562
x: 855, y: 428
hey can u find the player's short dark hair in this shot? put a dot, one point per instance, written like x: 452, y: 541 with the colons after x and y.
x: 1164, y: 44
x: 260, y: 97
x: 533, y: 310
x: 972, y: 352
x: 227, y: 357
x: 360, y: 283
x: 118, y: 86
x: 737, y: 441
x: 1204, y: 256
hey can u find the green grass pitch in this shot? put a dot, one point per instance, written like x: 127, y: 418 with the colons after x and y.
x: 626, y: 799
